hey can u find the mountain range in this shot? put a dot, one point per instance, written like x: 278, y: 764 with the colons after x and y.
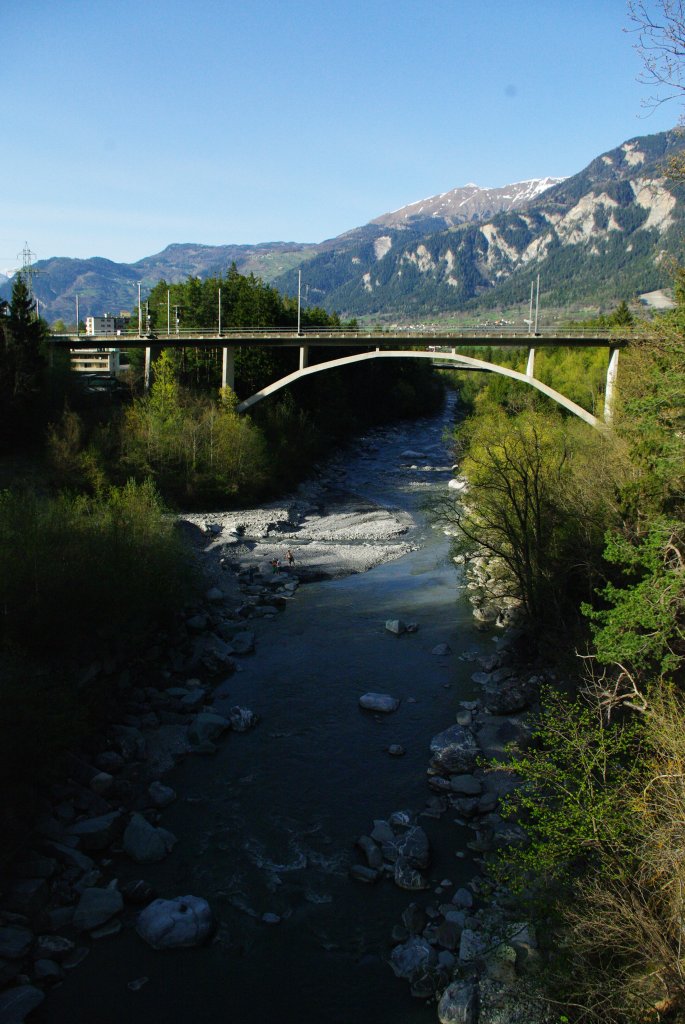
x: 595, y: 238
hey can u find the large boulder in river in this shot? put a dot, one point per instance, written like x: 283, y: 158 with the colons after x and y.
x: 170, y: 924
x: 146, y: 844
x: 207, y: 727
x: 95, y: 907
x: 413, y: 845
x: 98, y: 833
x: 454, y: 752
x: 416, y: 952
x: 459, y: 1003
x: 407, y: 876
x: 17, y: 1002
x: 379, y: 702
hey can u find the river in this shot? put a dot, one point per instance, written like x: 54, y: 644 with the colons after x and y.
x: 268, y: 824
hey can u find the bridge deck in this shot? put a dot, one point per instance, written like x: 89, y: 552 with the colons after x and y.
x: 349, y: 339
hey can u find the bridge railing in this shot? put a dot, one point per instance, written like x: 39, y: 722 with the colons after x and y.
x: 408, y: 334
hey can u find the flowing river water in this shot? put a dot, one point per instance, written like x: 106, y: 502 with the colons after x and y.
x: 268, y: 824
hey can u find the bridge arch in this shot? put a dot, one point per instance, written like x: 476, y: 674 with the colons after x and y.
x: 465, y: 362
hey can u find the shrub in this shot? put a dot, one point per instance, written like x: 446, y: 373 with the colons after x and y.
x: 74, y: 567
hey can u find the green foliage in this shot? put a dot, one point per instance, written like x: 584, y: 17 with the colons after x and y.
x: 575, y: 797
x: 21, y: 363
x: 74, y: 463
x: 579, y: 374
x: 643, y: 629
x: 197, y: 448
x: 651, y: 418
x: 532, y: 503
x: 76, y: 568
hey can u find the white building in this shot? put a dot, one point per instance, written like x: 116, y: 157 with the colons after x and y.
x: 103, y: 361
x: 106, y: 324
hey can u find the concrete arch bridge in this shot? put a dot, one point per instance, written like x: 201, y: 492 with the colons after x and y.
x: 440, y: 347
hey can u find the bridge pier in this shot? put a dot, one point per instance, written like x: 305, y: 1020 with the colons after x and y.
x: 148, y: 368
x: 304, y: 356
x: 610, y: 390
x: 228, y: 368
x: 530, y: 365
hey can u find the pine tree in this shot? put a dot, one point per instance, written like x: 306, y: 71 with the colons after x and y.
x: 25, y: 334
x: 21, y: 359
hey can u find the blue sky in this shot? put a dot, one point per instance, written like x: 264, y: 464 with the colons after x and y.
x: 131, y: 124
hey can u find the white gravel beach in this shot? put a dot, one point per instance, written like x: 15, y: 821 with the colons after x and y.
x: 330, y: 534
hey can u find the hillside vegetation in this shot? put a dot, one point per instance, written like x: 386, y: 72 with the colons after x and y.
x: 590, y: 532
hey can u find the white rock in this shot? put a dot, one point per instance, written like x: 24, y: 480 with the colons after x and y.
x: 379, y: 702
x: 160, y: 794
x: 170, y: 924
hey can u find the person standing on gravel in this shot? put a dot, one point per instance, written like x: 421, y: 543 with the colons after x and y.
x: 291, y: 558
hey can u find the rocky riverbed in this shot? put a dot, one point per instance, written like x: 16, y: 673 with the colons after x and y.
x: 214, y: 846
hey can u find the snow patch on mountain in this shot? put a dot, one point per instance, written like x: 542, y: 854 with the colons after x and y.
x: 468, y: 202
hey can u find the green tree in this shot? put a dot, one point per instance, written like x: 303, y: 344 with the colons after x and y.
x: 22, y: 361
x: 533, y: 502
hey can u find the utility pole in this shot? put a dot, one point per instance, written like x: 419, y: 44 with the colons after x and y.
x: 168, y: 311
x: 530, y: 311
x: 77, y: 318
x: 140, y: 315
x: 537, y: 304
x: 299, y: 294
x: 219, y: 312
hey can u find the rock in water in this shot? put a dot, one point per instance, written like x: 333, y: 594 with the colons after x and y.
x: 242, y: 719
x: 97, y: 833
x: 146, y: 844
x: 379, y: 702
x: 15, y: 942
x: 95, y: 907
x: 207, y: 726
x: 414, y: 953
x: 160, y: 794
x: 454, y: 751
x: 395, y: 626
x: 171, y: 924
x: 407, y: 876
x: 16, y: 1003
